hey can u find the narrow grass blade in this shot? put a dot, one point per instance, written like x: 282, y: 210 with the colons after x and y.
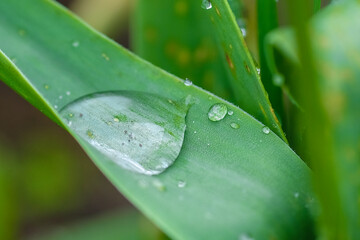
x: 267, y: 21
x: 177, y: 36
x: 337, y: 65
x: 245, y: 81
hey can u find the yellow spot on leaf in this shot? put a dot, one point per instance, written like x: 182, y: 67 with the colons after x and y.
x: 229, y: 61
x: 151, y: 34
x: 334, y: 102
x: 181, y: 7
x: 217, y: 11
x: 183, y: 57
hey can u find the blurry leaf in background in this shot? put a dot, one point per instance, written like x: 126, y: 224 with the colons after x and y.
x: 177, y: 36
x: 129, y: 225
x: 9, y: 192
x: 335, y: 33
x: 107, y: 16
x: 50, y: 175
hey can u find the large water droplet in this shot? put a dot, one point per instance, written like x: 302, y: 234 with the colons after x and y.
x: 145, y: 134
x: 206, y: 4
x: 217, y: 112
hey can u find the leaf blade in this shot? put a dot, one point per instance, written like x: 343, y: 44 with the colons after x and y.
x: 215, y: 184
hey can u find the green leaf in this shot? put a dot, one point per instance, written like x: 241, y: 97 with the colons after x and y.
x: 336, y: 54
x: 226, y: 182
x: 267, y: 21
x: 244, y: 79
x: 181, y: 41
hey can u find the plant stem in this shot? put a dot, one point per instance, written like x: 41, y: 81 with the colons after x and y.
x: 318, y: 142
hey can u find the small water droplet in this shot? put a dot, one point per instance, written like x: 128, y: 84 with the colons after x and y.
x: 55, y: 106
x: 159, y: 185
x: 234, y: 125
x: 230, y: 112
x: 181, y: 184
x: 68, y: 93
x: 116, y: 119
x: 206, y: 4
x: 258, y: 70
x: 60, y: 97
x: 266, y: 130
x: 296, y: 195
x: 245, y: 236
x: 70, y: 115
x: 187, y: 82
x: 217, y: 112
x: 46, y: 86
x: 210, y: 98
x: 243, y: 31
x: 75, y: 44
x: 195, y: 132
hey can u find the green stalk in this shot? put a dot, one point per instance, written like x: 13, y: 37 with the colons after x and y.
x: 317, y: 5
x: 331, y: 224
x: 267, y: 21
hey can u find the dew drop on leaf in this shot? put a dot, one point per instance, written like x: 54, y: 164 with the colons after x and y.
x: 243, y: 31
x: 146, y: 131
x: 230, y: 112
x: 217, y: 112
x: 245, y: 237
x: 75, y: 44
x: 234, y: 125
x: 266, y: 130
x: 181, y: 184
x: 206, y: 4
x: 187, y: 82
